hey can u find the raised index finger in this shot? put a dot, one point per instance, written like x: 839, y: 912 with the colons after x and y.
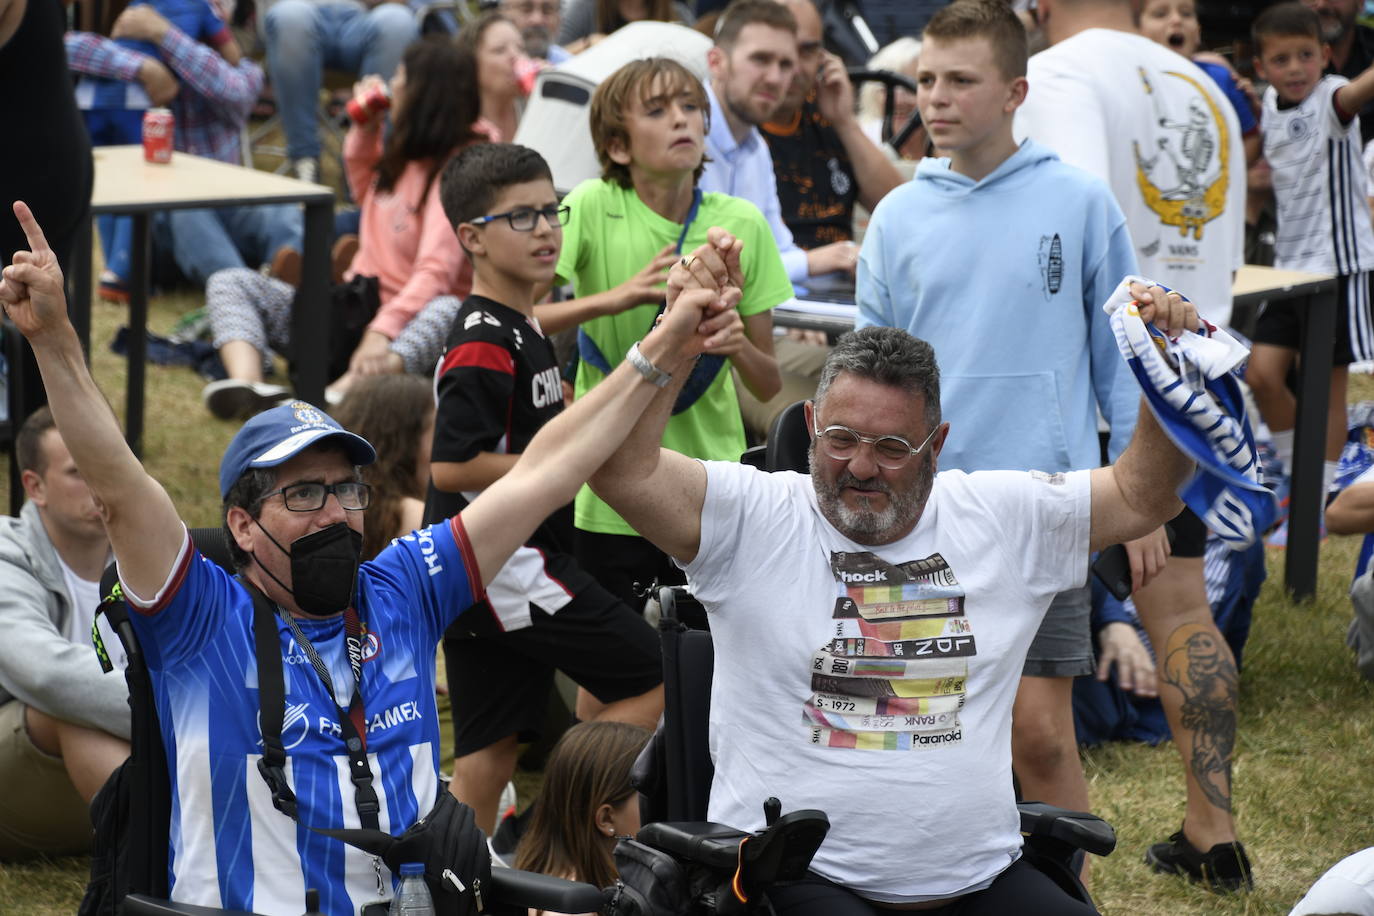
x: 38, y: 242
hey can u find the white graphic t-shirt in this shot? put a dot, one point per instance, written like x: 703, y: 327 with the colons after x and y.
x: 1161, y: 133
x: 876, y: 684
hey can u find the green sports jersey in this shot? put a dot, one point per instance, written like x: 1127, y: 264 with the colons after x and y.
x: 608, y: 237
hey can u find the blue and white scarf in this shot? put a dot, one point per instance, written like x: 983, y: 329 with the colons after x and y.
x: 1189, y: 386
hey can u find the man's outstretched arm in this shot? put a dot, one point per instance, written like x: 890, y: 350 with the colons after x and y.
x: 144, y: 528
x: 1139, y: 492
x: 658, y: 491
x: 570, y: 448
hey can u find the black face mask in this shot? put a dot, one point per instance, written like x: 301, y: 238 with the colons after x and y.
x: 324, y: 568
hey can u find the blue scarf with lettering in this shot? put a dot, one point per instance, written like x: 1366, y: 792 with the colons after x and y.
x: 1189, y: 385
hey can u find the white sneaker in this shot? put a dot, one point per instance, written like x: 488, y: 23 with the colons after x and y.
x: 306, y: 169
x: 232, y: 399
x: 508, y: 801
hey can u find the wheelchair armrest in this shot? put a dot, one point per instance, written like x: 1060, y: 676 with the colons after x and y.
x: 780, y: 852
x: 703, y: 842
x: 1077, y: 829
x: 140, y: 905
x: 511, y: 887
x: 527, y: 889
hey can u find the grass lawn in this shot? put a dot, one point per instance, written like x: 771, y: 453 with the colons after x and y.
x: 1306, y: 738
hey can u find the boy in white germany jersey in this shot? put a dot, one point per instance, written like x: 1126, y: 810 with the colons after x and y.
x: 1312, y: 141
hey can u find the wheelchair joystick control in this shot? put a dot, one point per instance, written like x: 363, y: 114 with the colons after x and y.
x: 771, y: 809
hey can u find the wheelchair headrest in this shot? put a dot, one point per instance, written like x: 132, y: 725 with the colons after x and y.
x: 789, y: 441
x: 213, y: 543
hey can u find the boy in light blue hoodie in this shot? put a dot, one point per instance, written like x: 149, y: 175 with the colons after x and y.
x: 948, y: 256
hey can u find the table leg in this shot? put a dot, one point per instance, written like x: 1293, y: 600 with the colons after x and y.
x: 310, y: 318
x: 21, y: 401
x: 138, y: 334
x: 79, y: 291
x: 1306, y: 499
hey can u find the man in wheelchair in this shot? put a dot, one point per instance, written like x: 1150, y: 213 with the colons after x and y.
x: 870, y: 623
x: 357, y: 644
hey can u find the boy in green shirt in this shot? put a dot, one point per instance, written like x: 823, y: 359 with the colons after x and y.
x: 648, y: 122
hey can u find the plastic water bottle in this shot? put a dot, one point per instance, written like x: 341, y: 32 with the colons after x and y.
x: 412, y: 898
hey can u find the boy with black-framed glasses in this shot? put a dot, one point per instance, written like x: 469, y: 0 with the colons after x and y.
x: 497, y: 385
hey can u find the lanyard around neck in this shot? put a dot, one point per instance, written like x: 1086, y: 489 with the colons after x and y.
x: 353, y: 722
x: 691, y: 218
x: 353, y: 638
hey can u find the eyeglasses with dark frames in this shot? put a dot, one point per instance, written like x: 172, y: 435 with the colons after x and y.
x: 524, y: 219
x: 308, y: 497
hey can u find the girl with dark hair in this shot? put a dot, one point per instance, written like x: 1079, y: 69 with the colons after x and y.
x: 396, y: 414
x: 407, y: 253
x: 586, y: 802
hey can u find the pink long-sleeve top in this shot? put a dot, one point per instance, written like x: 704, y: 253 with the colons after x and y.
x: 408, y: 245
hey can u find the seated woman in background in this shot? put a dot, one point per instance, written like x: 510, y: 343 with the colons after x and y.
x: 585, y: 22
x: 396, y: 414
x: 405, y: 241
x: 585, y: 804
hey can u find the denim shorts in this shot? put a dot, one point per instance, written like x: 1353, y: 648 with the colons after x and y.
x: 1063, y: 646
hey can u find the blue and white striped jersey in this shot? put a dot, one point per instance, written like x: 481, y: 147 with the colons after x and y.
x: 229, y: 846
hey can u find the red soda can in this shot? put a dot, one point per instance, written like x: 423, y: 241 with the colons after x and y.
x: 376, y: 100
x: 158, y: 125
x: 527, y: 70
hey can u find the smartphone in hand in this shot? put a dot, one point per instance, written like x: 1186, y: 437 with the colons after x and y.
x: 1113, y: 567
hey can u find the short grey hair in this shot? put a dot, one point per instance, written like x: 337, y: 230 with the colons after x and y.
x: 888, y: 356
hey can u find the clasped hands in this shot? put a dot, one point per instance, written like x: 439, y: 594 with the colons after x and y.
x: 703, y: 290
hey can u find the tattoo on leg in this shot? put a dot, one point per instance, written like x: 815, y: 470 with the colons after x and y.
x: 1199, y: 664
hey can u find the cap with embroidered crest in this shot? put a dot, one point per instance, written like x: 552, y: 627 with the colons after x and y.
x: 276, y: 435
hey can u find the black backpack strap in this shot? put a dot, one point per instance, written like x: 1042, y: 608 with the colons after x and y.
x: 272, y: 711
x: 132, y: 812
x: 271, y: 701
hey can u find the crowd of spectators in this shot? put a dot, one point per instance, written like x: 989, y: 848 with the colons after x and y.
x: 512, y: 486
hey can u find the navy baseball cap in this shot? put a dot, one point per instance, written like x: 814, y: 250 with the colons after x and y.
x: 276, y: 435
